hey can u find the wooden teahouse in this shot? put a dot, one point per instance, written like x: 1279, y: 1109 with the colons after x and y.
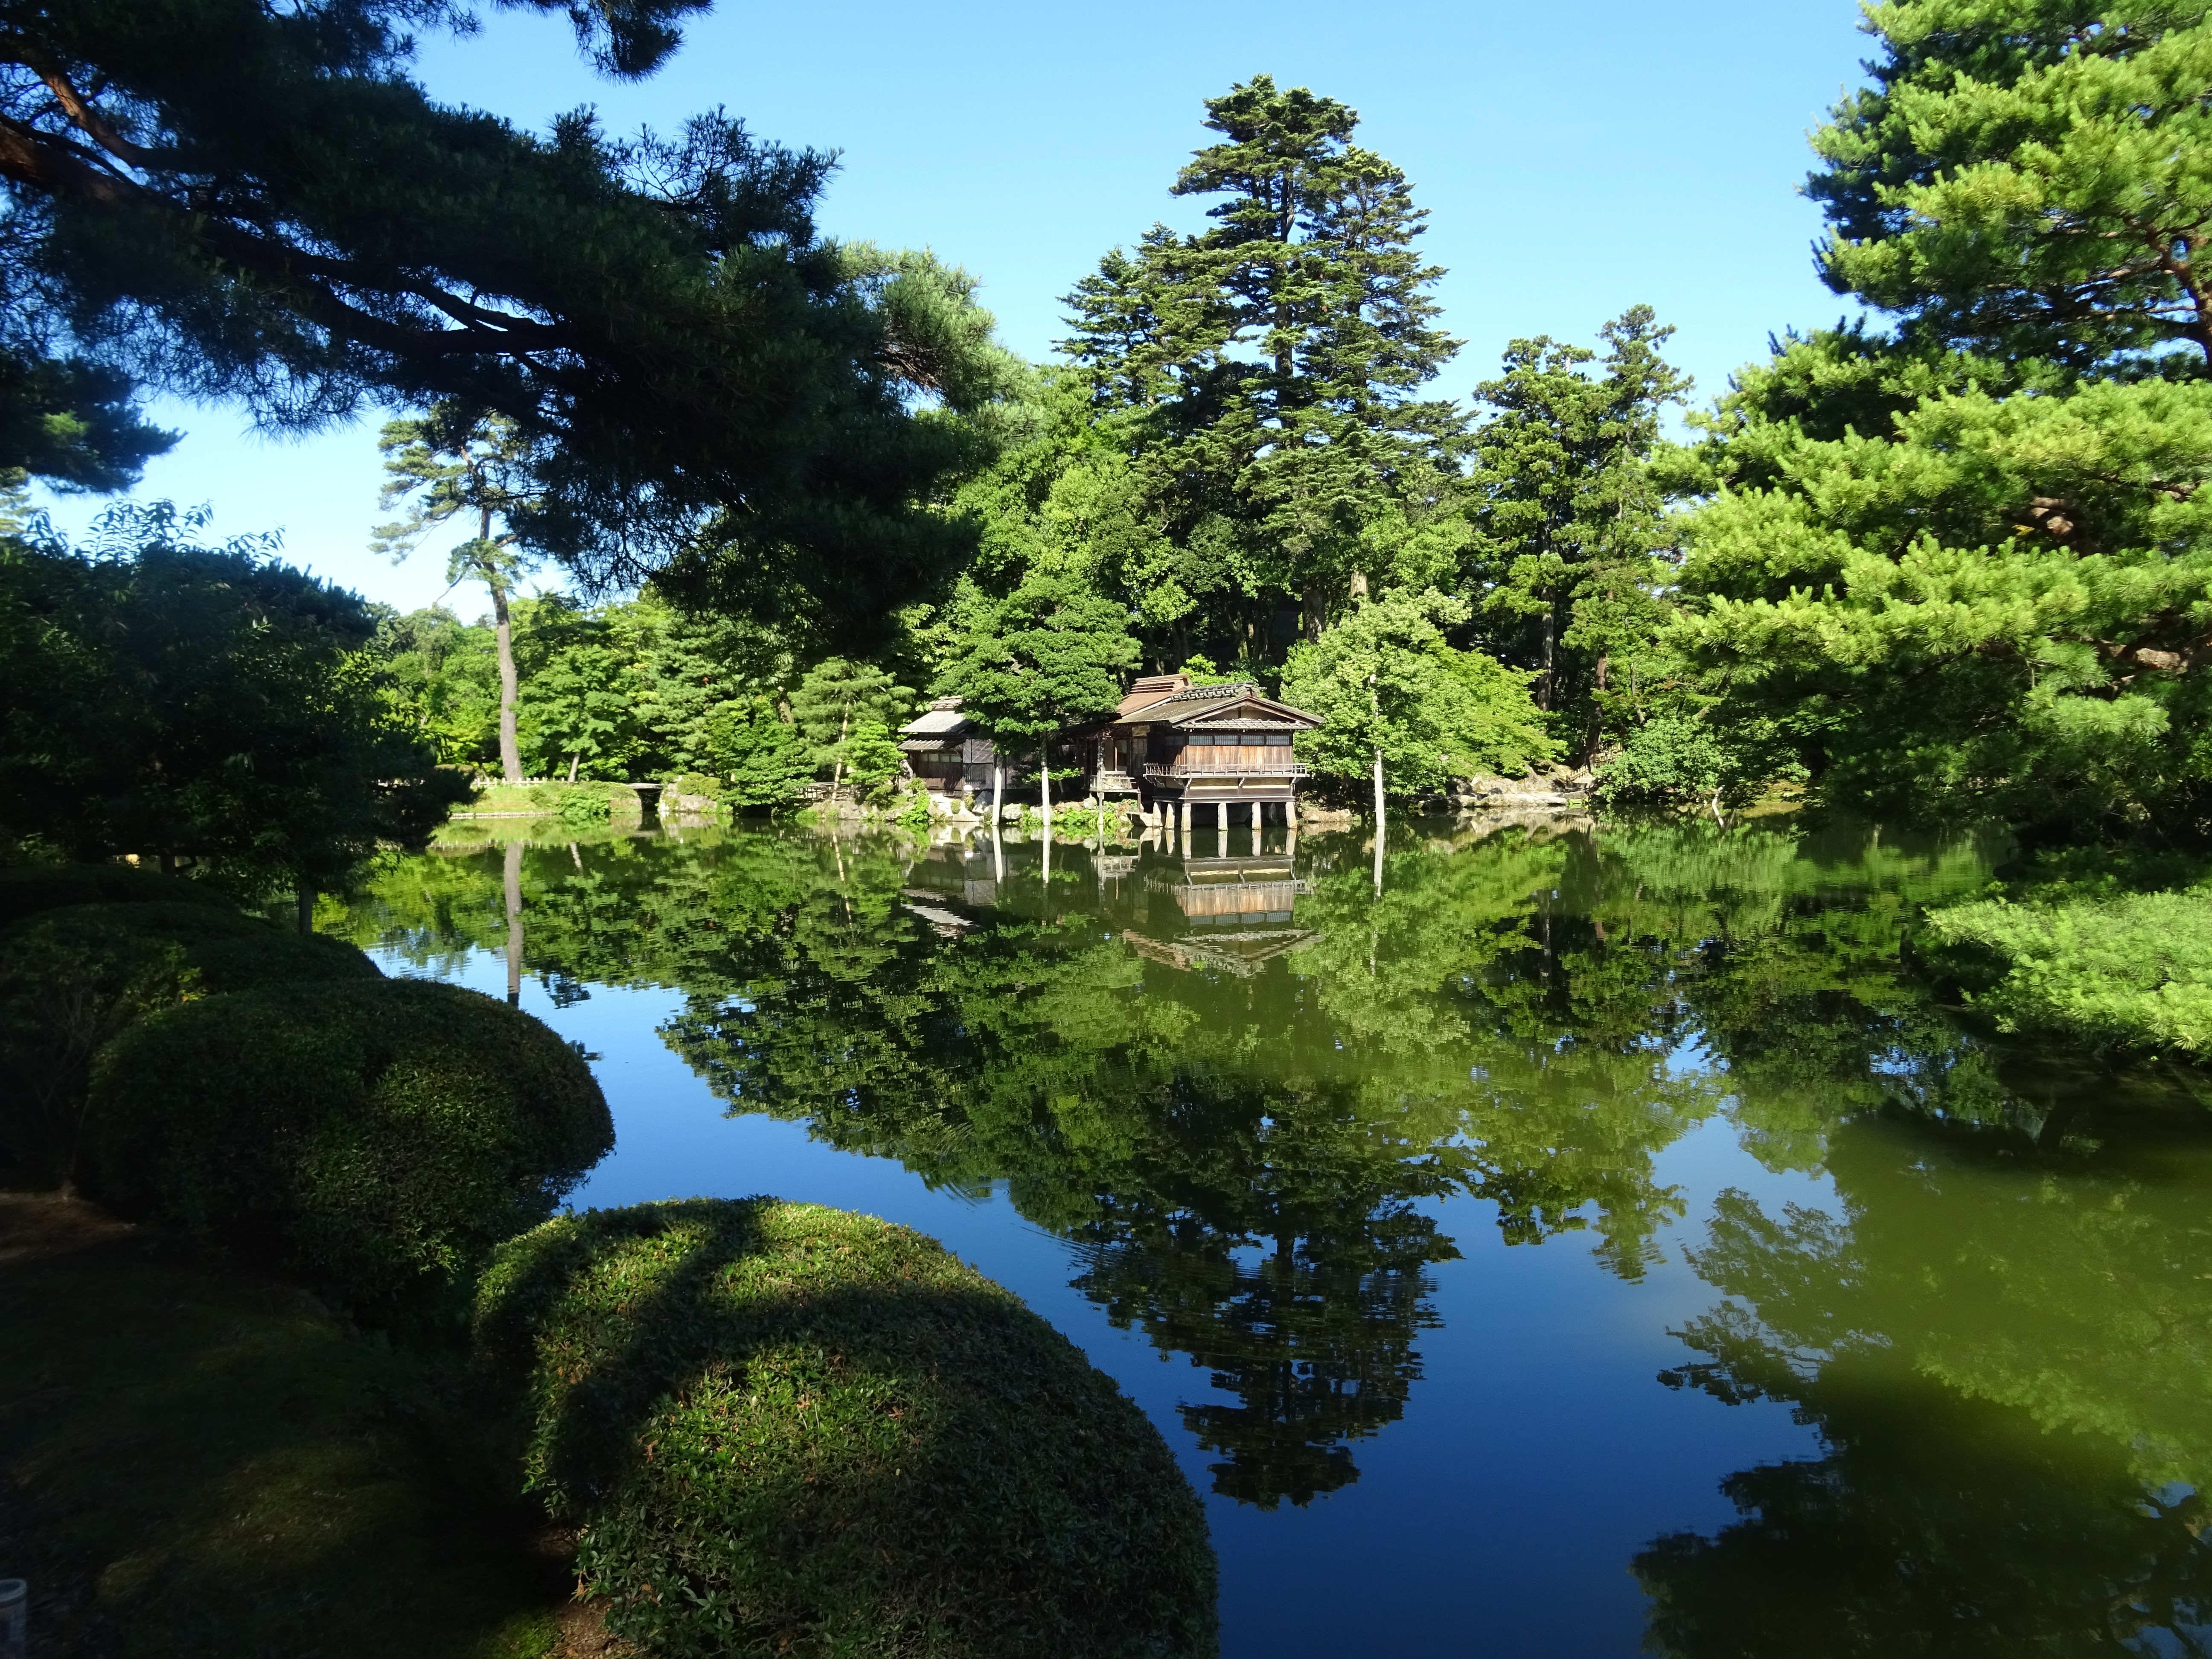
x: 1179, y: 747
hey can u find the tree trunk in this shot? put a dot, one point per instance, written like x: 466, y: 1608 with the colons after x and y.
x: 837, y: 773
x: 514, y: 924
x: 1546, y: 696
x: 574, y: 757
x: 1359, y: 585
x: 510, y: 684
x: 304, y: 902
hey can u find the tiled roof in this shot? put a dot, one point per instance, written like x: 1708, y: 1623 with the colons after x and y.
x: 937, y: 722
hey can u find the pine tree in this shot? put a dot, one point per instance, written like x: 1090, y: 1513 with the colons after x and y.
x: 1278, y: 355
x: 461, y: 463
x: 1050, y: 653
x: 240, y: 201
x: 2029, y: 180
x: 1566, y: 514
x: 836, y: 700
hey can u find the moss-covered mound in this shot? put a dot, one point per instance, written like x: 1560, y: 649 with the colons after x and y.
x: 379, y: 1135
x: 29, y: 889
x: 72, y: 978
x: 790, y: 1430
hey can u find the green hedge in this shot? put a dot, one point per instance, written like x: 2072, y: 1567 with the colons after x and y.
x: 790, y: 1430
x: 379, y: 1137
x: 72, y: 978
x: 29, y: 889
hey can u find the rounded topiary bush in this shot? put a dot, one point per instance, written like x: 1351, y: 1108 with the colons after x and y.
x: 72, y: 978
x: 790, y: 1430
x: 29, y: 889
x: 381, y: 1135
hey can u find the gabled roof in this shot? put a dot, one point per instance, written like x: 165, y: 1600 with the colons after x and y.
x: 1237, y: 704
x: 943, y: 719
x: 1151, y: 688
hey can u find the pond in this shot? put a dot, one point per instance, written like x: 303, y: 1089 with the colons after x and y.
x: 1586, y: 1244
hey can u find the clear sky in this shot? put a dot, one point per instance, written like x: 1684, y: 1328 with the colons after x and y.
x: 1577, y: 157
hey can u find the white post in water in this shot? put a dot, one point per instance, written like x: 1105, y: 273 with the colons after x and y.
x: 14, y: 1618
x: 1378, y: 821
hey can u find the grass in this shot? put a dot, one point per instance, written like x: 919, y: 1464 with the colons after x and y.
x: 196, y: 1460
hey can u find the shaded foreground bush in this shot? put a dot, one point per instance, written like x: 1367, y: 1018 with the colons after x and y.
x: 29, y: 889
x: 785, y: 1429
x: 379, y: 1137
x: 73, y: 978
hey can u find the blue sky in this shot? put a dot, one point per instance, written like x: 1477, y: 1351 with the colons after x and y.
x: 1576, y: 158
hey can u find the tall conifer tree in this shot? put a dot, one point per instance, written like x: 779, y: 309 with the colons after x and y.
x: 1278, y: 355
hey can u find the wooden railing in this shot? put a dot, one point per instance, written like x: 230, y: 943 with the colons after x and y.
x: 1202, y: 764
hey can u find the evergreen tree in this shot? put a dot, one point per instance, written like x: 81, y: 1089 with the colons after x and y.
x: 469, y: 463
x: 1276, y: 356
x: 2034, y: 180
x: 235, y: 200
x: 836, y: 700
x: 1566, y: 513
x: 1048, y: 655
x: 760, y: 756
x: 179, y: 702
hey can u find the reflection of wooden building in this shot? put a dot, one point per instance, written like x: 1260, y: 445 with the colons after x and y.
x: 948, y: 755
x: 1181, y: 745
x: 1238, y: 910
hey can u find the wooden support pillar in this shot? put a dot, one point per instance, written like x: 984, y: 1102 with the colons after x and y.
x: 1183, y: 819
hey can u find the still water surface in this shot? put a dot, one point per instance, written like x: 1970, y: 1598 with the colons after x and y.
x: 1589, y: 1246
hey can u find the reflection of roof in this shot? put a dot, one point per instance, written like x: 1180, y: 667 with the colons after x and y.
x: 1243, y: 954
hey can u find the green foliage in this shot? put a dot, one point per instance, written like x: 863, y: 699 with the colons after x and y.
x: 72, y: 978
x: 379, y: 1137
x: 1268, y: 371
x: 1383, y: 679
x: 784, y: 1429
x: 29, y: 889
x: 761, y: 755
x: 2133, y: 971
x: 833, y: 705
x: 1683, y: 761
x: 2027, y: 179
x: 462, y: 462
x: 1994, y: 607
x: 221, y: 1424
x: 68, y: 421
x: 698, y: 382
x: 1047, y: 654
x: 1565, y: 515
x: 179, y: 700
x: 441, y: 678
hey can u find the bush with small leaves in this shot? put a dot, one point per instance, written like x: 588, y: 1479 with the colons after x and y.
x: 788, y: 1430
x: 72, y: 978
x: 379, y: 1137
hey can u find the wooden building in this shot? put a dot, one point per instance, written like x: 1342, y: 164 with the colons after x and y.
x: 948, y: 755
x: 1178, y: 747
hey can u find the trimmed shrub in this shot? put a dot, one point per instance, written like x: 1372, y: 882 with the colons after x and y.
x: 791, y: 1430
x: 31, y: 888
x: 72, y: 978
x: 379, y: 1137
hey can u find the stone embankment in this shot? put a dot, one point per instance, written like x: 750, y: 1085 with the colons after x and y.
x: 1547, y: 795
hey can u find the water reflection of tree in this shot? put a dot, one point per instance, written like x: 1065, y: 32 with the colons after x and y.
x: 2008, y: 1352
x: 1248, y: 1163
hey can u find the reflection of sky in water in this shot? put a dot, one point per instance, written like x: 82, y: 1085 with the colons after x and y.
x: 1536, y: 1455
